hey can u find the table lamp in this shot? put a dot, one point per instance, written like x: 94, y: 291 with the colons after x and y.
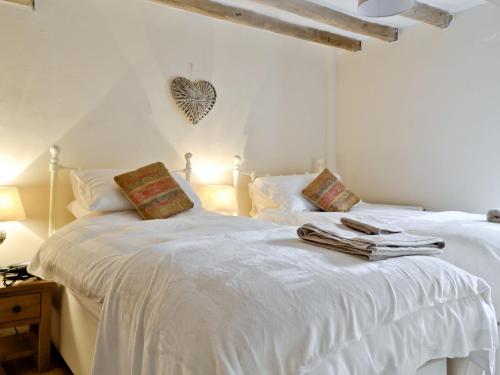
x: 222, y: 199
x: 11, y: 207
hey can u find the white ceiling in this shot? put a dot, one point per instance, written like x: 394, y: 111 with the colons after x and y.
x: 349, y: 6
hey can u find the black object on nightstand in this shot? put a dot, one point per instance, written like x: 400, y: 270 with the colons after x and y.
x: 12, y: 274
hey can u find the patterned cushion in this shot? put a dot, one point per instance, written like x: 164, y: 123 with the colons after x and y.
x: 154, y: 192
x: 328, y: 193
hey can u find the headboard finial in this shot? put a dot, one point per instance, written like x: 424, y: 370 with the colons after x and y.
x: 236, y: 169
x: 189, y: 167
x: 55, y: 151
x: 53, y: 168
x: 54, y: 160
x: 319, y: 165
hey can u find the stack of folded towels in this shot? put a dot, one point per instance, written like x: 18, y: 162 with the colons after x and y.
x: 494, y: 216
x: 371, y: 238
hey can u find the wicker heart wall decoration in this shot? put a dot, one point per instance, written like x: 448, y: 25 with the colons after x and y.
x: 196, y: 99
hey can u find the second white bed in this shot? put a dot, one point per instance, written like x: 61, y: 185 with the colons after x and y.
x: 472, y: 244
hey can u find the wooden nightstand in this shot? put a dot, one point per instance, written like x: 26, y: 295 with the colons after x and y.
x: 28, y: 303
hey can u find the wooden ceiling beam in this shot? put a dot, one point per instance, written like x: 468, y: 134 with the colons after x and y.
x: 249, y: 18
x: 430, y: 15
x: 22, y: 2
x: 331, y: 17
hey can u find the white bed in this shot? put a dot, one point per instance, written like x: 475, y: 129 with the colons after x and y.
x: 253, y: 261
x: 472, y: 243
x: 75, y: 325
x: 202, y: 293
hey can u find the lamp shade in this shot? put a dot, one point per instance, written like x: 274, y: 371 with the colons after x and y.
x: 383, y: 8
x: 221, y: 199
x: 11, y: 207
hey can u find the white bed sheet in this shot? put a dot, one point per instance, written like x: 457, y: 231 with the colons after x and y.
x: 208, y: 294
x: 472, y: 243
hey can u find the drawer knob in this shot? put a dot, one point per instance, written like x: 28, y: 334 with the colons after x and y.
x: 16, y: 309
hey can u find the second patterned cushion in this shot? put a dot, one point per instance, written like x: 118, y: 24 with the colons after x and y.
x: 154, y: 192
x: 328, y: 193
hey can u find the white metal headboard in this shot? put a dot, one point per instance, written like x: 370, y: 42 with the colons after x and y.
x: 55, y: 166
x: 319, y: 165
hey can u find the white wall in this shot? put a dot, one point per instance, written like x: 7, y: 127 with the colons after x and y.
x: 418, y: 121
x: 93, y: 76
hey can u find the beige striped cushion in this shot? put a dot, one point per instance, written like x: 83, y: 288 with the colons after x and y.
x: 154, y: 192
x: 328, y: 193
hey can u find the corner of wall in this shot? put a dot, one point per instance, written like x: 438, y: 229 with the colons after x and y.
x: 330, y: 108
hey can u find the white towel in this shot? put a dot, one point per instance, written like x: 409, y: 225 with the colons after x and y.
x: 375, y: 247
x: 370, y: 225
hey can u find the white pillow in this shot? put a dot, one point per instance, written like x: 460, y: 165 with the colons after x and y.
x: 96, y: 190
x: 259, y: 200
x: 188, y: 189
x: 285, y: 193
x: 78, y: 211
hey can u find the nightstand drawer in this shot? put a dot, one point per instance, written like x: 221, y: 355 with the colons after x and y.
x: 19, y: 307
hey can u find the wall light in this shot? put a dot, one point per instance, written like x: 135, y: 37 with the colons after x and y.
x: 222, y: 199
x: 10, y: 169
x: 209, y: 173
x: 383, y: 8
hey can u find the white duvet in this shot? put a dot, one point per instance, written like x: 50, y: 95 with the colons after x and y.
x: 203, y: 294
x: 472, y: 243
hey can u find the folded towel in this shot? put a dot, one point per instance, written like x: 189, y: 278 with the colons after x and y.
x: 494, y: 216
x: 370, y: 225
x: 374, y: 247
